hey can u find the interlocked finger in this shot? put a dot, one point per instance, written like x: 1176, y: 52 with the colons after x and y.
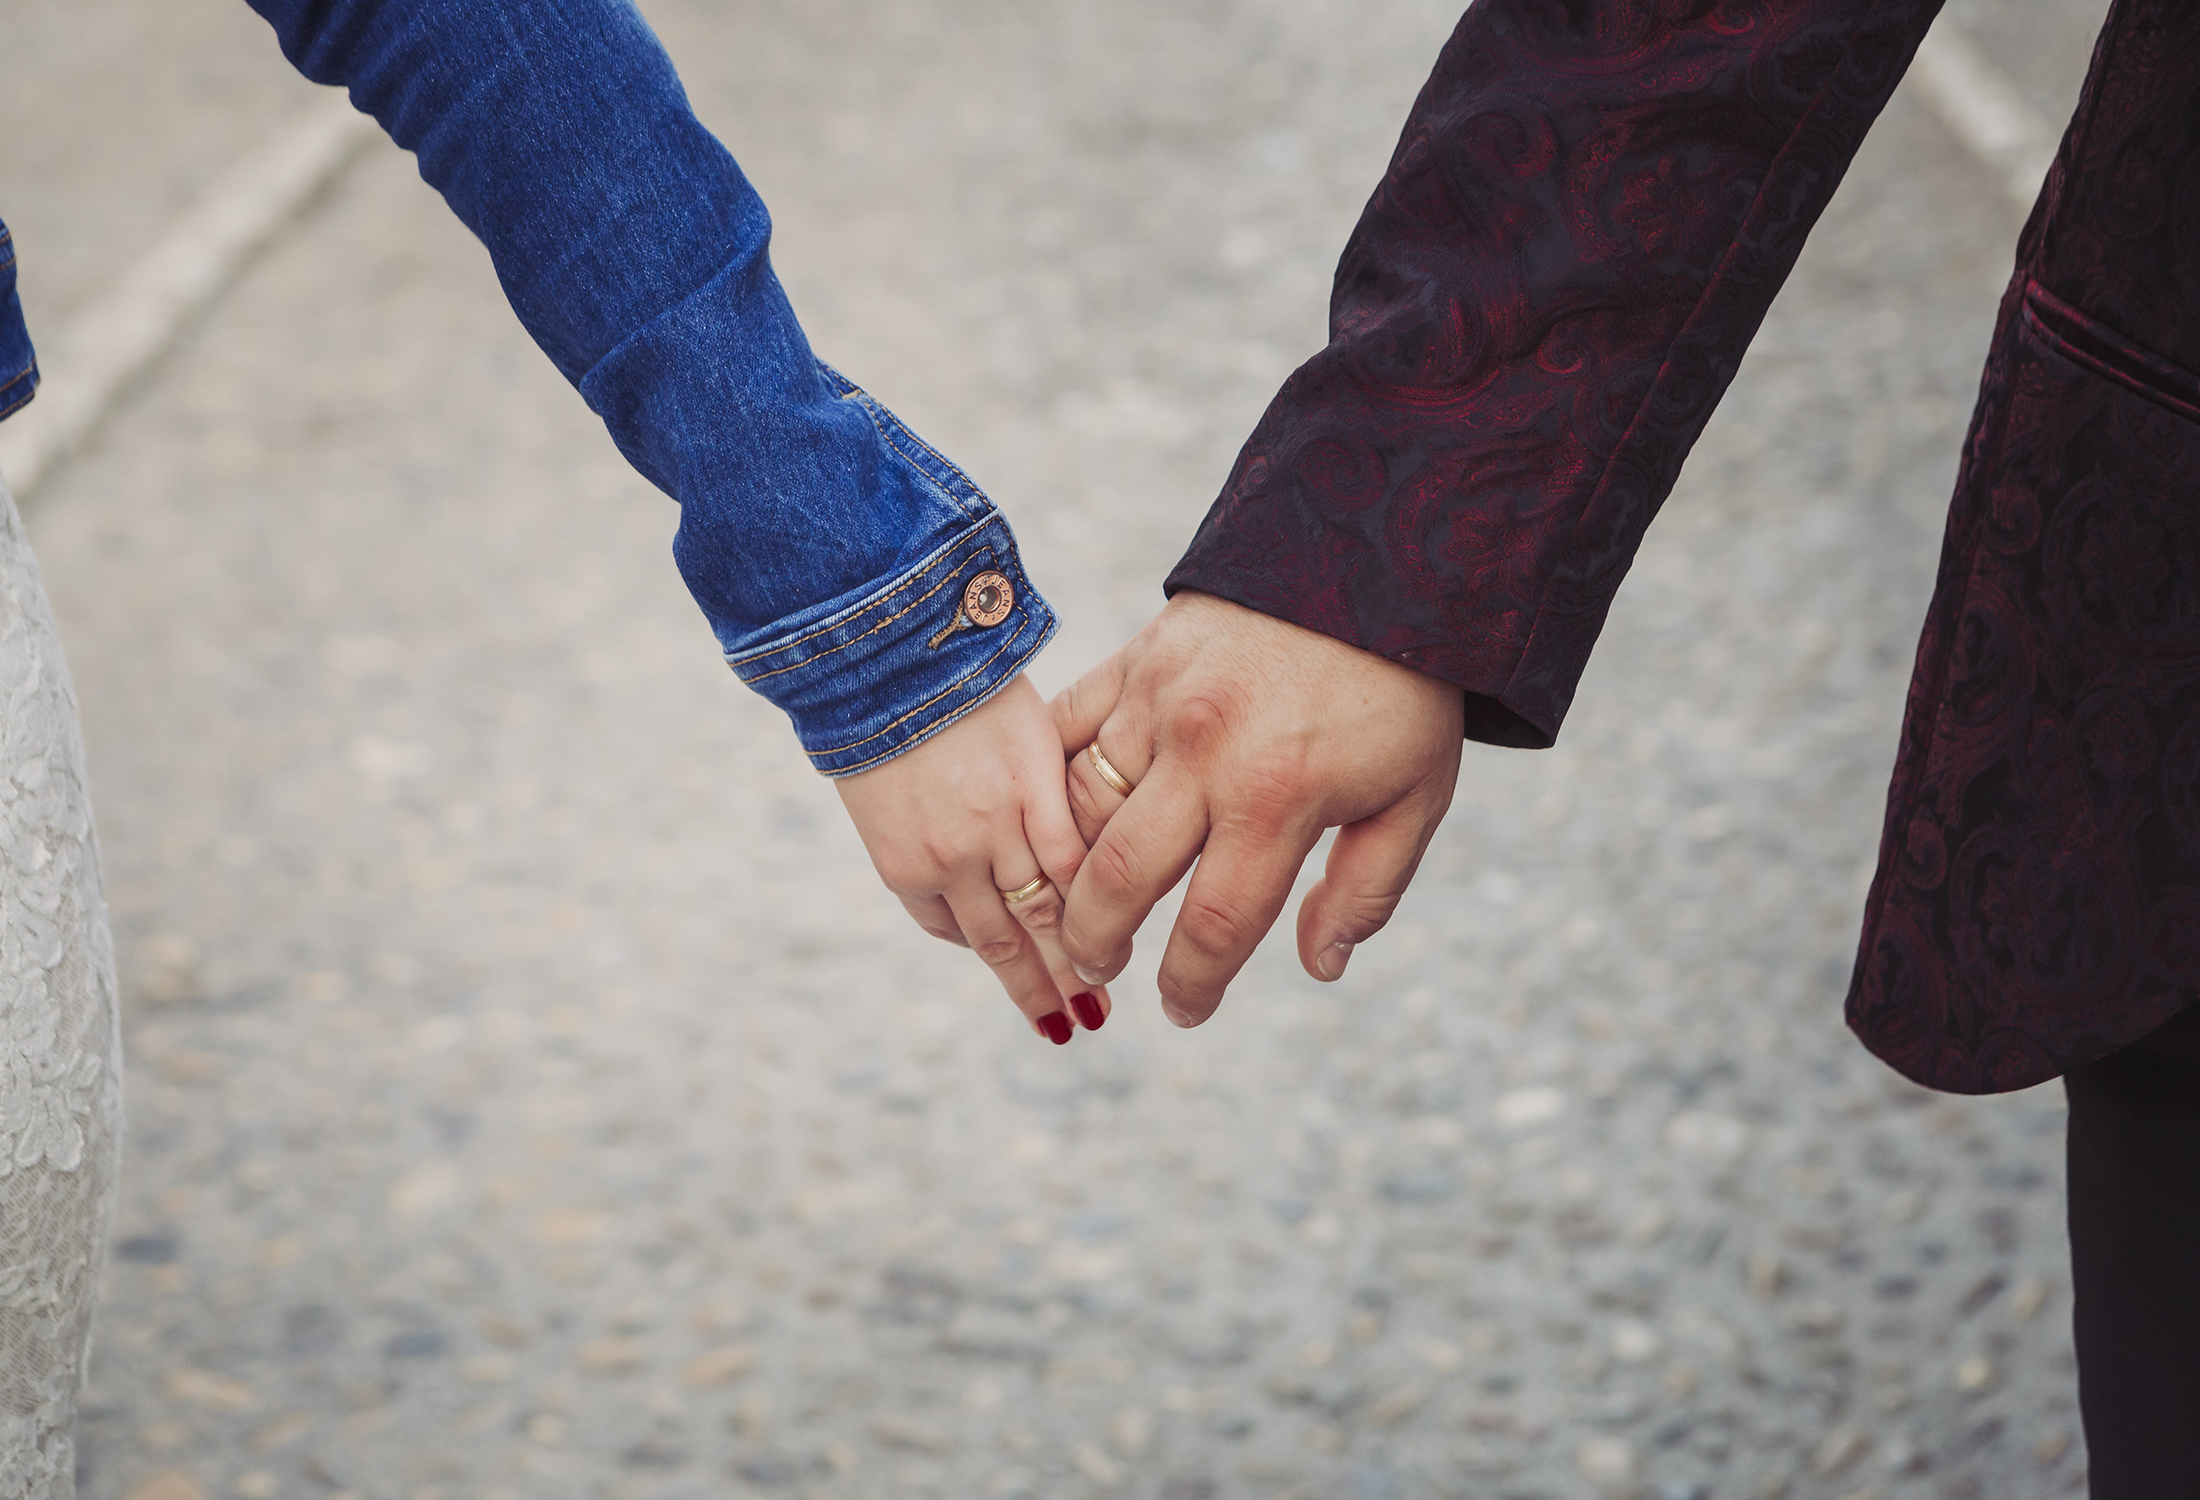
x: 1146, y: 848
x: 1106, y: 769
x: 1000, y: 939
x: 1040, y: 912
x: 1037, y: 903
x: 1050, y: 831
x: 1100, y: 783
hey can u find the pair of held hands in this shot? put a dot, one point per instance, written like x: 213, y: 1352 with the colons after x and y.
x: 1243, y: 738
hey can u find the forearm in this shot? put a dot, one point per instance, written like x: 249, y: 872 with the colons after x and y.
x: 814, y: 532
x: 1588, y: 214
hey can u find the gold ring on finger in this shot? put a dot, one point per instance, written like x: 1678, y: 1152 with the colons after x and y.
x: 1026, y: 891
x: 1108, y: 773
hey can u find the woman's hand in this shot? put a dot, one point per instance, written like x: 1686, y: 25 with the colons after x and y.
x: 974, y: 814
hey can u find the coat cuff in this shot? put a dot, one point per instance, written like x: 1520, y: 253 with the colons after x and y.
x: 1494, y: 714
x: 892, y: 670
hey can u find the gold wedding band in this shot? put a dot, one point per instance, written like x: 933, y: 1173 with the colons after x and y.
x: 1026, y: 891
x: 1108, y: 773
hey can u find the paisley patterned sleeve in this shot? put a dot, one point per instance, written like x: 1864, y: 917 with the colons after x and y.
x: 1591, y: 207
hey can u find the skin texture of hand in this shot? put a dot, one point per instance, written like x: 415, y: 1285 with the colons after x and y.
x: 1244, y: 738
x: 976, y: 810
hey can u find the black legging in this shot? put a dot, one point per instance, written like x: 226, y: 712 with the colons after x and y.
x: 2135, y: 1263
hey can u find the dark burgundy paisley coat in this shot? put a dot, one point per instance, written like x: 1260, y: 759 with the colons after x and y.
x: 1590, y: 209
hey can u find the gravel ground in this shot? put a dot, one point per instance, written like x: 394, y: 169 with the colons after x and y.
x: 533, y: 1093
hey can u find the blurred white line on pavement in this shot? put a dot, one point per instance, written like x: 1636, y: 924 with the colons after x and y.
x: 94, y: 360
x: 1984, y: 111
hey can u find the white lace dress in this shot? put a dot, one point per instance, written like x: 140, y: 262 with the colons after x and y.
x: 60, y: 1044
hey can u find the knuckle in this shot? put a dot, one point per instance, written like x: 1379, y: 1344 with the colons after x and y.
x: 1080, y: 949
x: 1042, y: 913
x: 1097, y: 953
x: 1369, y: 913
x: 942, y: 850
x: 1112, y: 865
x: 1202, y: 720
x: 1213, y: 929
x: 1062, y: 866
x: 1182, y: 999
x: 902, y: 875
x: 1366, y: 918
x: 1000, y: 950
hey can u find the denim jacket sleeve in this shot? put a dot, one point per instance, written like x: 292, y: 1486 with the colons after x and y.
x: 18, y: 367
x: 852, y: 575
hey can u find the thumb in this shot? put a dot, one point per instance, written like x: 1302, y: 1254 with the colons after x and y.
x: 1369, y: 867
x: 1081, y: 708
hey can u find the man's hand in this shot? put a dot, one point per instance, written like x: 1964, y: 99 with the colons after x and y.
x: 1245, y: 737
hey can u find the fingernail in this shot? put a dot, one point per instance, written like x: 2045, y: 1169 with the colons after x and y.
x: 1177, y: 1017
x: 1055, y: 1027
x: 1089, y: 1013
x: 1088, y: 975
x: 1333, y: 959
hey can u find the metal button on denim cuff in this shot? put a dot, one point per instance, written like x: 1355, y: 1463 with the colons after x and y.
x: 986, y: 601
x: 988, y: 598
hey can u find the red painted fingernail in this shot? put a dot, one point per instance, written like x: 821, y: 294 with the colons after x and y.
x: 1056, y: 1026
x: 1089, y: 1013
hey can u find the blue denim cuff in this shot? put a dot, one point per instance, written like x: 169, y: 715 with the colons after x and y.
x: 894, y: 669
x: 18, y: 366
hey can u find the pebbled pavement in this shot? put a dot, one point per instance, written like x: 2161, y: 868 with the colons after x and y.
x: 534, y: 1095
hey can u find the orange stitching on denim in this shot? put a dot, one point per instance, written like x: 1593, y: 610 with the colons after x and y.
x: 939, y: 554
x: 844, y: 645
x: 944, y: 692
x: 865, y: 765
x: 1006, y: 646
x: 888, y: 425
x: 984, y: 551
x: 904, y: 430
x: 25, y: 401
x: 889, y: 430
x: 882, y: 418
